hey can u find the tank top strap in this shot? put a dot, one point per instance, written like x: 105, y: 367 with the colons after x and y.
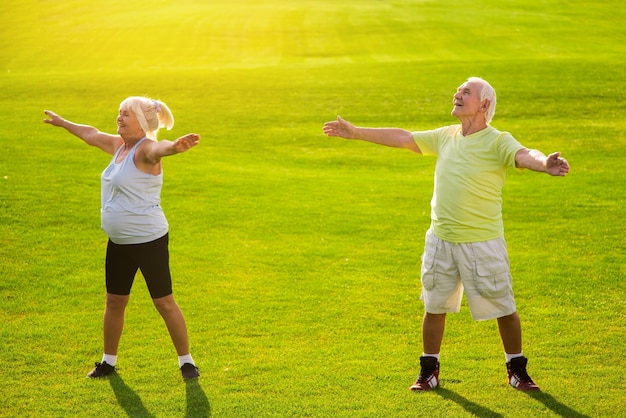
x: 134, y: 148
x: 138, y: 143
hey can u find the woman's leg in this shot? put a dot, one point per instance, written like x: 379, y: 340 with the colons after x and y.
x: 175, y: 322
x: 114, y: 321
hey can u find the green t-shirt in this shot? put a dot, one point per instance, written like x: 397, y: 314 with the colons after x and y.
x: 469, y: 176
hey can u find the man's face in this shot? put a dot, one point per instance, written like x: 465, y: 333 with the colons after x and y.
x: 467, y: 100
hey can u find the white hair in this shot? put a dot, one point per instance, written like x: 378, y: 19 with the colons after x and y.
x: 486, y: 93
x: 151, y: 114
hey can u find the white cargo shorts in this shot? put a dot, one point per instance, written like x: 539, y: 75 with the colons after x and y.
x: 480, y: 269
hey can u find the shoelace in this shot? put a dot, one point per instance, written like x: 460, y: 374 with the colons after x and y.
x: 522, y: 375
x: 424, y: 375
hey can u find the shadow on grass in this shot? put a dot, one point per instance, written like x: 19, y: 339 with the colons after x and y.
x: 469, y: 406
x: 127, y: 398
x: 548, y: 400
x: 197, y: 402
x: 555, y: 406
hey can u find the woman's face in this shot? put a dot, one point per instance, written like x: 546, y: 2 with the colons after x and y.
x: 128, y: 125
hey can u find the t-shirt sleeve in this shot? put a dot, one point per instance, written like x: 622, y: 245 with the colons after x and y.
x: 507, y: 148
x: 428, y: 141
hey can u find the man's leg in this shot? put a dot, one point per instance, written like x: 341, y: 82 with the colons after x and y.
x: 433, y: 326
x: 510, y: 329
x: 511, y: 334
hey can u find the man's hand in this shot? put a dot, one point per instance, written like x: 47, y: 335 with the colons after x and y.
x: 556, y: 166
x: 389, y: 137
x: 535, y: 160
x: 340, y: 128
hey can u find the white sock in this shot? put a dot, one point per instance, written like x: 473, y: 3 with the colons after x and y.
x: 185, y: 359
x: 431, y: 355
x: 110, y: 359
x: 512, y: 356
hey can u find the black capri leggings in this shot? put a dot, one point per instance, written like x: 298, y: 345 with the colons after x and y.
x: 152, y: 258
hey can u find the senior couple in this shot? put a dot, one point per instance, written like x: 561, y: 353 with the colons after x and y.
x: 464, y: 252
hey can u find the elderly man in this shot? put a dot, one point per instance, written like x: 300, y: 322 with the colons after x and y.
x: 465, y: 250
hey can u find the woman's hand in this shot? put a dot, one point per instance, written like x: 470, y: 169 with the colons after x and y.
x: 54, y: 119
x: 186, y: 142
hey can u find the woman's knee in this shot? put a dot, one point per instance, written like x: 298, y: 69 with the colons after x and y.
x: 116, y: 302
x: 166, y: 304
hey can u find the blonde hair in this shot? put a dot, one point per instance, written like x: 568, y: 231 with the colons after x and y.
x: 489, y: 93
x: 151, y: 114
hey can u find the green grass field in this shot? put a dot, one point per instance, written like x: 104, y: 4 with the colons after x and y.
x: 295, y: 256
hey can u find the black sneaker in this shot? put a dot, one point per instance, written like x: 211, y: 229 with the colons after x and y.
x: 102, y: 369
x: 189, y: 371
x: 429, y: 375
x: 518, y: 377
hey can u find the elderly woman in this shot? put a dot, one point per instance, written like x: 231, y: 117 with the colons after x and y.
x: 134, y: 220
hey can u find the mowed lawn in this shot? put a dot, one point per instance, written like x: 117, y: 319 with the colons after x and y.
x: 295, y: 257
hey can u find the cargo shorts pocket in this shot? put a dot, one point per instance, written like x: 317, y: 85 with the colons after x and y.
x: 428, y: 265
x: 428, y: 280
x: 493, y: 280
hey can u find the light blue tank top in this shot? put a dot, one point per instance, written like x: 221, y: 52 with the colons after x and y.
x: 131, y: 210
